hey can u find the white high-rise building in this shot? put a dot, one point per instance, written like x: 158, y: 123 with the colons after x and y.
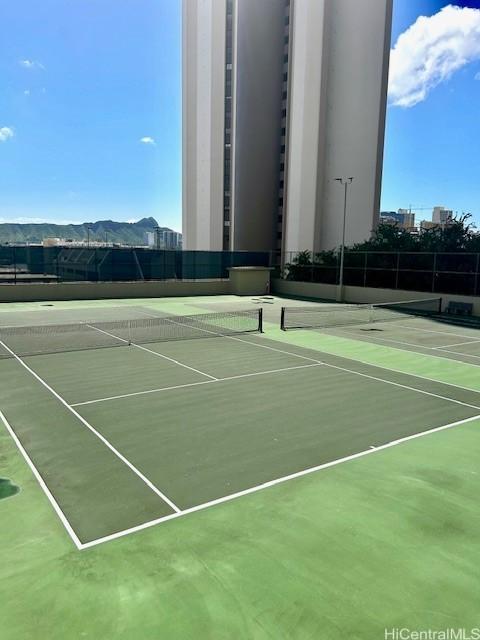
x: 440, y: 215
x: 279, y: 98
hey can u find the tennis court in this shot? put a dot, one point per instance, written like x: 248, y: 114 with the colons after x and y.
x: 414, y: 325
x: 131, y: 422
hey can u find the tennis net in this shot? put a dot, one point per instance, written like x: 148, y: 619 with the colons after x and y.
x: 37, y: 340
x: 343, y: 315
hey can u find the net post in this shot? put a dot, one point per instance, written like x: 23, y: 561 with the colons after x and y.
x: 282, y: 319
x: 129, y: 332
x: 440, y: 300
x: 260, y: 320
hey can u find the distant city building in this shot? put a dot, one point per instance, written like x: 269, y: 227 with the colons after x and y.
x: 440, y: 215
x: 428, y: 224
x: 404, y: 218
x: 164, y: 239
x: 53, y: 242
x: 279, y: 98
x: 150, y: 239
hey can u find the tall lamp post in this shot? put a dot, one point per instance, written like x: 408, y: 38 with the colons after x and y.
x: 345, y: 182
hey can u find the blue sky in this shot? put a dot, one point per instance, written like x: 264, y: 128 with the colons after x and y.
x: 90, y: 110
x: 432, y: 146
x: 83, y: 81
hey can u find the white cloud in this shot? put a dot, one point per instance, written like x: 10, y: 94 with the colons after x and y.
x: 147, y: 140
x: 26, y: 92
x: 30, y: 64
x: 132, y: 220
x: 6, y: 133
x: 477, y: 76
x: 430, y: 51
x: 36, y: 220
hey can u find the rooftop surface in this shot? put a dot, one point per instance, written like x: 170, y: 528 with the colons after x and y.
x: 299, y: 484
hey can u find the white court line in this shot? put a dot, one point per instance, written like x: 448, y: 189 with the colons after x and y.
x: 456, y: 344
x: 365, y: 375
x: 194, y: 384
x: 93, y: 430
x: 358, y: 373
x: 271, y: 483
x: 416, y: 375
x: 363, y: 362
x: 41, y: 482
x: 460, y: 353
x: 371, y: 339
x: 351, y: 332
x: 155, y: 353
x: 444, y: 333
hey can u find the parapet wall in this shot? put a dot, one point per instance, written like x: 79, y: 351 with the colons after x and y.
x: 243, y: 281
x: 365, y: 295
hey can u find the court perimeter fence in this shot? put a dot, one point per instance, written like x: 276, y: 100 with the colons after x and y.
x: 444, y: 273
x: 454, y: 273
x: 21, y: 264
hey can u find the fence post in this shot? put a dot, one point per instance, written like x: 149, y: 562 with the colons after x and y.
x: 434, y: 271
x: 365, y: 269
x: 476, y: 275
x: 398, y: 267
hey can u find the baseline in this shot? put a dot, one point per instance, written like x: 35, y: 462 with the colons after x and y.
x: 272, y: 483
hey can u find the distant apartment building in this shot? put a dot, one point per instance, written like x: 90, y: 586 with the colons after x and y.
x: 404, y: 218
x: 164, y: 239
x: 440, y: 215
x: 279, y: 98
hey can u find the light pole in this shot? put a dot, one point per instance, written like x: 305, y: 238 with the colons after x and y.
x: 345, y: 182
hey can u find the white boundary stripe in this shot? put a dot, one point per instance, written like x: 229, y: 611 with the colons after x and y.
x: 94, y: 431
x: 376, y: 339
x: 457, y: 344
x: 155, y: 353
x: 460, y: 353
x: 366, y: 375
x: 195, y: 384
x: 263, y: 346
x: 445, y: 333
x: 380, y: 366
x: 404, y: 386
x: 41, y: 482
x: 271, y: 483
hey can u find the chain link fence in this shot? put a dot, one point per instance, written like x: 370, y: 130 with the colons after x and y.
x: 105, y: 264
x: 456, y: 273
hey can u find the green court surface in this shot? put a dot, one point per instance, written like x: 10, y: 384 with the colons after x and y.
x: 246, y: 486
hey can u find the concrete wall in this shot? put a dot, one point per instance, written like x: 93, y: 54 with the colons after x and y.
x: 243, y: 281
x: 106, y: 290
x: 203, y: 97
x: 258, y: 98
x: 364, y: 295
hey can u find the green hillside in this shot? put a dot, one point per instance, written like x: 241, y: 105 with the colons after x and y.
x: 118, y: 232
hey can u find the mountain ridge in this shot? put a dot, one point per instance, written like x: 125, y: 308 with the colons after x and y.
x: 116, y: 232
